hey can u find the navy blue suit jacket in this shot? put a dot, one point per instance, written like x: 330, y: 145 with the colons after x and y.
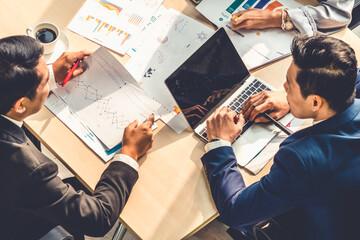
x: 313, y: 187
x: 358, y: 84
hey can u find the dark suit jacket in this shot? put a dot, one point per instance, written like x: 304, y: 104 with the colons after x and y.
x: 34, y: 198
x: 313, y: 186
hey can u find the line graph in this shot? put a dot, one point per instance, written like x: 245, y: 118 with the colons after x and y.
x: 118, y: 120
x: 90, y: 93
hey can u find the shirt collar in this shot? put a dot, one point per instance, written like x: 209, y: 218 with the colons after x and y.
x: 18, y: 123
x: 316, y: 122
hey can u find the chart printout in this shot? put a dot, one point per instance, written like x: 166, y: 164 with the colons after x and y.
x: 161, y: 49
x: 256, y: 47
x: 113, y: 24
x: 106, y: 98
x: 58, y: 107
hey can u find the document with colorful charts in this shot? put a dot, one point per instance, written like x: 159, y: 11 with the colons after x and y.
x: 113, y: 24
x: 106, y: 98
x: 160, y: 50
x: 256, y: 47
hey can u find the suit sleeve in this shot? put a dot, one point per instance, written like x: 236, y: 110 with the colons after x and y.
x: 329, y: 17
x: 284, y: 188
x: 44, y: 194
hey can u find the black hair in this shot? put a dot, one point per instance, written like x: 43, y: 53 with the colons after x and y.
x: 328, y: 68
x: 19, y: 56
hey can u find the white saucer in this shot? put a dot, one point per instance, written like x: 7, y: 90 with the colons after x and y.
x: 61, y: 46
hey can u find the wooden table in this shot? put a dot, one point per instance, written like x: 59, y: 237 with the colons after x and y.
x: 171, y: 199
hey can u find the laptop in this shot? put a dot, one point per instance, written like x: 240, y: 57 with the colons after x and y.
x: 215, y: 76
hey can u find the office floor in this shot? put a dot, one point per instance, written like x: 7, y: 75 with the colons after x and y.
x: 213, y: 231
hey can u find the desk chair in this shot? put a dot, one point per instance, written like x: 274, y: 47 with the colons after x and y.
x: 355, y: 15
x: 269, y: 230
x: 57, y: 233
x: 119, y: 232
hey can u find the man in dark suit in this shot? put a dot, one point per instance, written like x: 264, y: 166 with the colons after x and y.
x: 313, y: 188
x: 34, y: 199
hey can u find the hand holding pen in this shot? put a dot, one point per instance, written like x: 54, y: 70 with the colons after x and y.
x: 71, y: 72
x: 66, y: 64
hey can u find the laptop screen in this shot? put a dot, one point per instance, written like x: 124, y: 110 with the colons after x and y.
x: 207, y: 77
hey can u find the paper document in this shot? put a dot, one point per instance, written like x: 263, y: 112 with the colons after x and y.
x: 113, y: 24
x: 256, y: 47
x: 259, y: 162
x: 143, y: 35
x: 160, y: 50
x: 106, y: 98
x: 255, y: 139
x: 58, y: 107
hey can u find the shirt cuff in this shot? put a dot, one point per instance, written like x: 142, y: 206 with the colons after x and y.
x: 52, y: 83
x: 212, y: 145
x: 126, y: 159
x: 303, y: 21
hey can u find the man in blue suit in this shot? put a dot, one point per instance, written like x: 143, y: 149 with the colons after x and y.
x: 313, y: 188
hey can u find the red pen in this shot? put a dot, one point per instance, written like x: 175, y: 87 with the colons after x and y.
x: 70, y: 73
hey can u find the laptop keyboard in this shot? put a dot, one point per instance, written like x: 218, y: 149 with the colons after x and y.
x: 236, y: 105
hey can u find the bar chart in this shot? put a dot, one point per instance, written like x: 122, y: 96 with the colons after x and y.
x: 113, y: 23
x: 135, y: 19
x: 107, y: 30
x: 262, y: 4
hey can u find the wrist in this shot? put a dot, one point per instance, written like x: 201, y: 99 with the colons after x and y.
x: 220, y: 138
x: 129, y: 152
x: 276, y: 19
x: 286, y: 23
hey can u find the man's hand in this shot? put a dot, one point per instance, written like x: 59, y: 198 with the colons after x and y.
x: 224, y: 124
x: 253, y: 18
x: 272, y: 101
x: 137, y: 140
x: 63, y: 64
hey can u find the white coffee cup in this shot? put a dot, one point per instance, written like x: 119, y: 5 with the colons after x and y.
x: 47, y: 34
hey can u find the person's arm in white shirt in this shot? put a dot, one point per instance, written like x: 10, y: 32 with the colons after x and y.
x: 52, y: 83
x: 213, y: 145
x: 330, y: 16
x: 126, y: 159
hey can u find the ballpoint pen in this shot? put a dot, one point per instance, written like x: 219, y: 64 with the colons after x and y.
x: 70, y: 73
x: 277, y: 124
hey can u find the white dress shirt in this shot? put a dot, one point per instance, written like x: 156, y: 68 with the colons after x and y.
x: 213, y: 145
